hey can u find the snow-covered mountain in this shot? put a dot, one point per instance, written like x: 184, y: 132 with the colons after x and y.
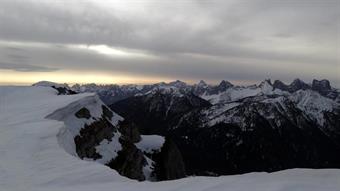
x: 44, y: 136
x: 263, y: 127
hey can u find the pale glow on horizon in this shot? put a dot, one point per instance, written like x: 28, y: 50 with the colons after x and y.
x: 72, y: 77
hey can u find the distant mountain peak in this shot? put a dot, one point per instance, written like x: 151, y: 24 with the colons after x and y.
x: 178, y: 83
x: 298, y: 81
x: 225, y: 84
x: 298, y: 84
x: 322, y: 84
x: 266, y: 86
x: 202, y: 83
x: 267, y: 81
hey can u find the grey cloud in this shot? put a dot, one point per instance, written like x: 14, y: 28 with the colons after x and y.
x: 17, y: 57
x: 192, y: 39
x: 178, y: 66
x: 25, y: 67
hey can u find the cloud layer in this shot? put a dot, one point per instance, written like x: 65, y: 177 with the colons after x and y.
x: 237, y: 39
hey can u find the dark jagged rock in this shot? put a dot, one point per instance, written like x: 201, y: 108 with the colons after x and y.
x: 129, y: 131
x: 324, y: 88
x: 169, y: 162
x: 280, y: 85
x: 223, y: 86
x: 178, y: 84
x: 107, y: 112
x: 129, y: 162
x: 322, y: 85
x: 64, y: 91
x: 91, y: 135
x: 298, y: 84
x: 83, y: 113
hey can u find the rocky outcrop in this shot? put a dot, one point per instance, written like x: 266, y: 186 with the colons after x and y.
x: 129, y: 162
x: 324, y: 88
x: 169, y: 162
x: 129, y: 131
x: 64, y: 90
x: 83, y: 113
x: 90, y: 137
x: 322, y: 85
x: 298, y: 84
x: 280, y: 85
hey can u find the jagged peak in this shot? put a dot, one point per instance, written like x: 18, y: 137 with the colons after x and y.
x: 266, y: 86
x: 265, y: 82
x: 324, y: 84
x: 225, y: 83
x: 279, y: 82
x: 298, y: 81
x: 202, y: 83
x: 177, y: 83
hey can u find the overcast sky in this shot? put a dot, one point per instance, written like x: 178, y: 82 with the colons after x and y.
x: 139, y: 41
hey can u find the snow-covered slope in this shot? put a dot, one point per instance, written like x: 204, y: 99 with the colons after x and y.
x: 31, y: 159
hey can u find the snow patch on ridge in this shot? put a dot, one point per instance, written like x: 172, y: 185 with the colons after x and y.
x: 150, y: 143
x: 108, y: 149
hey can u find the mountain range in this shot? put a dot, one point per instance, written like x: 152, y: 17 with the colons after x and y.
x: 227, y: 129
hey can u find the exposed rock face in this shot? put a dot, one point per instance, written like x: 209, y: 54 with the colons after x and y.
x: 91, y: 135
x: 280, y: 85
x: 129, y: 162
x: 83, y: 113
x: 298, y: 84
x: 107, y: 112
x: 224, y: 85
x: 322, y: 85
x: 129, y: 131
x: 169, y: 162
x: 324, y: 88
x: 64, y: 90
